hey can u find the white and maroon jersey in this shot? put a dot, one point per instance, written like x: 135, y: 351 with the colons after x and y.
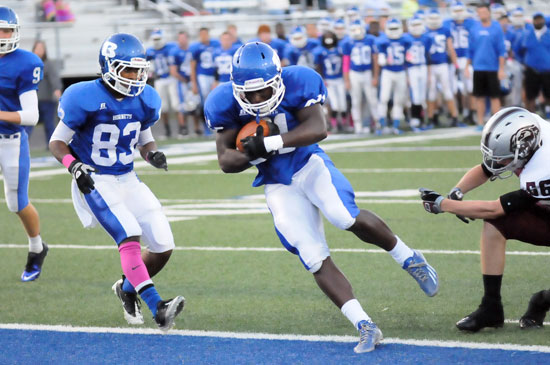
x: 535, y: 176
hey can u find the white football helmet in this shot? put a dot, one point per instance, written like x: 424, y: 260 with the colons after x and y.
x: 394, y: 28
x: 458, y: 11
x: 9, y: 20
x: 517, y: 17
x: 357, y: 30
x: 509, y: 140
x: 298, y: 37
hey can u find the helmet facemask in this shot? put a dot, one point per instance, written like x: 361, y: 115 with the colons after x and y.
x: 416, y: 27
x: 8, y: 45
x: 263, y: 108
x: 125, y: 86
x: 298, y: 39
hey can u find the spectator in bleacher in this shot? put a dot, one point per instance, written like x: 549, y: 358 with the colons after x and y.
x: 535, y: 45
x: 486, y: 52
x: 49, y: 91
x: 63, y: 12
x: 203, y: 67
x: 165, y: 84
x: 431, y: 4
x: 232, y: 30
x: 180, y: 69
x: 48, y: 9
x: 264, y: 35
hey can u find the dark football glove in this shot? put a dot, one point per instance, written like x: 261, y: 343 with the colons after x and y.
x: 157, y: 159
x: 457, y: 194
x: 81, y: 174
x: 431, y: 200
x: 254, y: 146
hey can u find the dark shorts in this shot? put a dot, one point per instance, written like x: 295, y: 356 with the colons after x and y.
x: 530, y: 225
x: 486, y: 83
x: 534, y: 82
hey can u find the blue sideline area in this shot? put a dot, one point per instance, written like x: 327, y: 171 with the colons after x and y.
x: 47, y: 347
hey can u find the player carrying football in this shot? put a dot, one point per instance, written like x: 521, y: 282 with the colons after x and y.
x: 300, y: 179
x: 20, y: 73
x: 514, y: 141
x: 102, y: 122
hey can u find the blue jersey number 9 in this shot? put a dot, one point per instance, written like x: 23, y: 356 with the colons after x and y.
x: 36, y: 73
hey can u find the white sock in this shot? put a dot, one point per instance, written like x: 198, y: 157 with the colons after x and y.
x: 401, y: 252
x: 354, y: 312
x: 35, y: 244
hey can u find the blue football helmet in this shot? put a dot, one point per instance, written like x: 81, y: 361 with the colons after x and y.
x: 394, y: 28
x: 9, y: 20
x: 458, y: 10
x: 434, y: 20
x: 256, y: 66
x: 120, y: 52
x: 298, y: 37
x: 357, y: 30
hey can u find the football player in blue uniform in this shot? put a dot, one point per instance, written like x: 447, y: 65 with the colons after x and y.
x: 391, y: 49
x: 301, y: 182
x: 180, y: 69
x: 223, y: 57
x: 165, y: 84
x: 20, y: 72
x: 102, y: 122
x: 300, y: 49
x: 361, y: 73
x: 203, y: 67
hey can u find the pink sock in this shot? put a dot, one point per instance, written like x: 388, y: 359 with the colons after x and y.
x: 133, y: 266
x: 333, y: 122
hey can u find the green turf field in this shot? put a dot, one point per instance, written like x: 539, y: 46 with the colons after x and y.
x: 269, y: 291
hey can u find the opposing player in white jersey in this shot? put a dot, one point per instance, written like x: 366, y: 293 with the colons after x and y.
x: 301, y: 182
x: 165, y: 84
x: 440, y: 50
x: 102, y: 122
x: 328, y: 62
x: 514, y: 142
x: 417, y: 70
x: 462, y: 86
x: 20, y: 72
x: 393, y: 79
x: 361, y: 74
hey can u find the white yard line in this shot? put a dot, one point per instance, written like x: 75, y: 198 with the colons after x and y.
x: 276, y: 249
x: 269, y: 336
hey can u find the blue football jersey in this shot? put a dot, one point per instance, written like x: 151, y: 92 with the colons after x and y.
x: 182, y: 59
x: 330, y: 61
x: 106, y: 129
x: 302, y: 56
x: 20, y: 71
x: 304, y: 87
x: 459, y: 33
x: 161, y: 59
x: 394, y: 49
x: 360, y: 52
x: 204, y: 55
x: 222, y: 60
x: 416, y: 54
x: 438, y: 46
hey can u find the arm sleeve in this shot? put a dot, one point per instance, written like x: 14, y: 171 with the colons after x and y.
x: 29, y: 108
x: 62, y: 133
x: 516, y: 200
x: 145, y: 137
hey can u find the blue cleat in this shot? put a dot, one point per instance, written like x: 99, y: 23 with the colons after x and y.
x: 369, y: 336
x: 423, y: 273
x: 34, y: 264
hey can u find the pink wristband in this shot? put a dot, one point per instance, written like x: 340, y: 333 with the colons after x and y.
x: 67, y: 160
x: 346, y: 63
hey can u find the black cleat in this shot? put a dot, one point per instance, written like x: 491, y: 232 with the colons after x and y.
x: 539, y: 304
x: 167, y: 310
x: 130, y: 304
x: 489, y: 314
x: 34, y: 264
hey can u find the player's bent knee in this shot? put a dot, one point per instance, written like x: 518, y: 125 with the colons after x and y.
x: 14, y: 204
x: 315, y: 267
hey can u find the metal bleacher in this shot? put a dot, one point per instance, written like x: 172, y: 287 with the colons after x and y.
x: 77, y: 44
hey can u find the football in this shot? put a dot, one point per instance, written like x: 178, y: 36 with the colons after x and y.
x: 249, y: 129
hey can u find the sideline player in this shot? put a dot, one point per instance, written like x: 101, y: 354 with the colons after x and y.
x: 101, y: 123
x: 514, y: 141
x: 20, y: 72
x: 300, y: 179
